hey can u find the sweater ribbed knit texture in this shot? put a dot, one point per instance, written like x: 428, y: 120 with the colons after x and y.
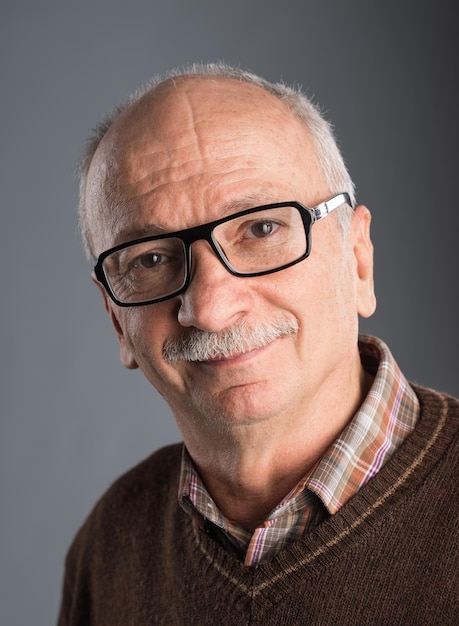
x: 388, y: 556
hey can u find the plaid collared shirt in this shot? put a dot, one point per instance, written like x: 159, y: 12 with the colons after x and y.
x: 386, y: 417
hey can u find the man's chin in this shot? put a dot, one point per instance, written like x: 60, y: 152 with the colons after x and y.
x: 239, y: 405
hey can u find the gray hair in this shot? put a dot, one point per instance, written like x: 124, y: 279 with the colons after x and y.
x: 329, y: 156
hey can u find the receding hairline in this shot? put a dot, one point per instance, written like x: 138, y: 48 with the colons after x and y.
x: 153, y: 99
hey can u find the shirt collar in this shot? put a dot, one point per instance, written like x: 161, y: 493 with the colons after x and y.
x: 386, y: 417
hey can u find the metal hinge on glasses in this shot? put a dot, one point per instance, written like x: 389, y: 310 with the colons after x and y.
x: 323, y: 209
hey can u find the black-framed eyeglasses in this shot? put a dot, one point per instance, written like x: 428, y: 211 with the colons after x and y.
x: 254, y: 242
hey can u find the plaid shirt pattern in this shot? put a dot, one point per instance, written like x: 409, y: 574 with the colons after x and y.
x: 386, y: 417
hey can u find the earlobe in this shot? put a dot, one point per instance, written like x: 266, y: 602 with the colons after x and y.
x: 126, y: 355
x: 363, y: 251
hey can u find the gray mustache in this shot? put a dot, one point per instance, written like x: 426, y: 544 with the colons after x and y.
x: 200, y: 345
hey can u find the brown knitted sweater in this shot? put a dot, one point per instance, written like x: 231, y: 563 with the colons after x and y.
x: 389, y: 556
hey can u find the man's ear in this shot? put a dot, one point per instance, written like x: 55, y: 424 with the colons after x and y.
x: 363, y: 252
x: 126, y: 353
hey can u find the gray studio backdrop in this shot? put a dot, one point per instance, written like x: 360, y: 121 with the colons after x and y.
x: 73, y: 419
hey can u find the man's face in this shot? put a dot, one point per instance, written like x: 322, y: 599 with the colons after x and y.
x: 194, y: 154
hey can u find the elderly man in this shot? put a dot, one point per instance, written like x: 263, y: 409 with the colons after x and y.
x: 315, y: 485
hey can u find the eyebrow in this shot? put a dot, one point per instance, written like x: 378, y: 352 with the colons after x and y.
x: 137, y: 232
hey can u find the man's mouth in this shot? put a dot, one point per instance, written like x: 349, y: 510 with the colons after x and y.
x: 236, y: 357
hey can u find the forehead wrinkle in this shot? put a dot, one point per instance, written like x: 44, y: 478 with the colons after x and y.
x: 167, y: 167
x: 167, y: 155
x: 199, y: 138
x: 178, y: 170
x: 123, y: 204
x: 146, y: 224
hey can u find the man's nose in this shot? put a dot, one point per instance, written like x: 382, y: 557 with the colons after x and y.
x: 215, y: 298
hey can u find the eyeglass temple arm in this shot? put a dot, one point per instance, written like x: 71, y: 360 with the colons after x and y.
x: 323, y: 209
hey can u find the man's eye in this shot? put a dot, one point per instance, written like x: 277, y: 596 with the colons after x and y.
x: 262, y: 229
x: 149, y: 261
